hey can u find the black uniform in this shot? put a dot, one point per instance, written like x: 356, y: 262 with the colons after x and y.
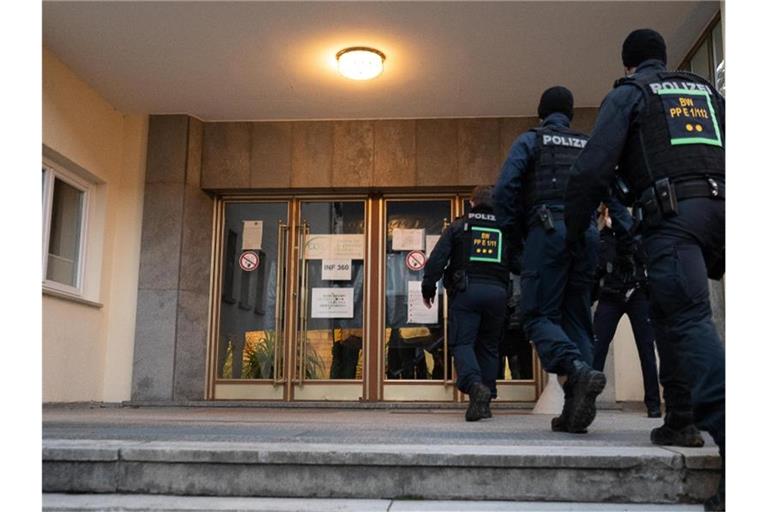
x: 623, y: 290
x: 666, y: 132
x: 475, y: 252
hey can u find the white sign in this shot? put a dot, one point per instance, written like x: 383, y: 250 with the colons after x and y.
x: 407, y: 239
x: 333, y: 303
x: 336, y: 270
x: 330, y: 247
x: 431, y: 243
x: 417, y: 311
x: 253, y: 231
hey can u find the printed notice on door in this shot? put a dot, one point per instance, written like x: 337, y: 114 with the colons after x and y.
x: 336, y: 270
x: 417, y: 311
x: 407, y: 239
x: 253, y: 231
x: 333, y: 303
x: 321, y: 247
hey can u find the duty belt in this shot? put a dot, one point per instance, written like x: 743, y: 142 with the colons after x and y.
x: 700, y: 187
x: 537, y: 216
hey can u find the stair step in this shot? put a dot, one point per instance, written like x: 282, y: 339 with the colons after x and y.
x: 164, y: 503
x: 612, y: 474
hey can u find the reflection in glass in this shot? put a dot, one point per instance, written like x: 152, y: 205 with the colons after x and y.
x: 331, y: 290
x: 249, y: 335
x: 414, y: 350
x: 64, y: 241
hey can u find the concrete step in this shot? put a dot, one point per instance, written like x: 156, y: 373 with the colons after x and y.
x: 136, y: 503
x: 612, y: 474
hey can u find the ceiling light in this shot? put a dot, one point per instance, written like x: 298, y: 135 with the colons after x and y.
x: 360, y: 63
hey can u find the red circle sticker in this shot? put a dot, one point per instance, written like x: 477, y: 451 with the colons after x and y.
x: 415, y: 260
x: 249, y: 261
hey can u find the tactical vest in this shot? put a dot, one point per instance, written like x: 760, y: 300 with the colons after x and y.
x: 482, y: 251
x: 556, y: 150
x: 678, y: 135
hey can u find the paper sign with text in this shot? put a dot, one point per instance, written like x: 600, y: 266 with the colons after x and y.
x: 336, y: 270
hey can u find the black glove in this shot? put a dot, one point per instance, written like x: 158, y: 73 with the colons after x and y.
x: 428, y: 291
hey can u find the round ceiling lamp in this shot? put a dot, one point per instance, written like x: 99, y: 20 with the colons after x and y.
x: 360, y: 63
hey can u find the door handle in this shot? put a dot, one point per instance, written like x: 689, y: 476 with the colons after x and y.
x: 278, y: 360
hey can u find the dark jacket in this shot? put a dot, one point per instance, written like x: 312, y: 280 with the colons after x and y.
x: 520, y: 161
x: 594, y: 170
x: 439, y: 262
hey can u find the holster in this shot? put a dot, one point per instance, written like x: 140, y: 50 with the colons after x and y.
x: 458, y: 281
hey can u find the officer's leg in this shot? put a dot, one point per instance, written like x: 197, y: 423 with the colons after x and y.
x: 546, y: 265
x: 577, y: 300
x: 639, y: 316
x: 677, y: 281
x: 607, y: 316
x: 543, y: 280
x: 491, y: 330
x: 462, y: 332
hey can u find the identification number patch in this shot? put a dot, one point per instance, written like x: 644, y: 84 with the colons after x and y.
x: 690, y: 117
x: 486, y: 245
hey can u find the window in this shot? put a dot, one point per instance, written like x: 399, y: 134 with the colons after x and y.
x: 706, y: 59
x: 65, y: 207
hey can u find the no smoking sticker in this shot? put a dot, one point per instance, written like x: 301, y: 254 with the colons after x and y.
x: 415, y: 260
x: 249, y: 261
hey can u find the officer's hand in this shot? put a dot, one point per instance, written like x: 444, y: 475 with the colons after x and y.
x: 428, y: 301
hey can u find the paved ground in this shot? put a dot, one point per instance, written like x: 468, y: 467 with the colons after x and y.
x: 438, y: 426
x: 69, y: 503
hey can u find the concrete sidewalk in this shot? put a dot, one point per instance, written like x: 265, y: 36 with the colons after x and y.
x: 400, y: 426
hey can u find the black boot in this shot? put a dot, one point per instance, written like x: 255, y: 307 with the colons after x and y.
x: 559, y: 424
x: 479, y: 402
x: 678, y: 430
x: 583, y: 384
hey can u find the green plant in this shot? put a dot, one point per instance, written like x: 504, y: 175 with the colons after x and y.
x: 260, y: 358
x: 315, y: 367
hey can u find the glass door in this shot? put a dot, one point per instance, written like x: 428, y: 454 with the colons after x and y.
x: 250, y: 346
x: 331, y: 328
x: 417, y: 363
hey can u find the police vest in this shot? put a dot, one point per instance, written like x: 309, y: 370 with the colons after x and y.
x: 482, y: 250
x: 678, y: 135
x: 556, y: 150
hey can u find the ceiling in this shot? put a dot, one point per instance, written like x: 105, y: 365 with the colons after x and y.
x: 275, y: 61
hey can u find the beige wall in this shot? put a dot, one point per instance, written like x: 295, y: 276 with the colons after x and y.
x: 87, y: 350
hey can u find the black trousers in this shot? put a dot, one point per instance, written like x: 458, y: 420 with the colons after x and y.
x: 607, y: 315
x: 682, y: 252
x: 475, y: 328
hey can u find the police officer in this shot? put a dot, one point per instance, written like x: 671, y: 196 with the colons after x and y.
x: 556, y: 281
x: 476, y: 255
x: 666, y: 132
x: 622, y: 290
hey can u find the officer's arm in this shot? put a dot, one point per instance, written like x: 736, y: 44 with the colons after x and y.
x: 507, y: 196
x: 621, y: 221
x: 593, y: 171
x: 436, y: 263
